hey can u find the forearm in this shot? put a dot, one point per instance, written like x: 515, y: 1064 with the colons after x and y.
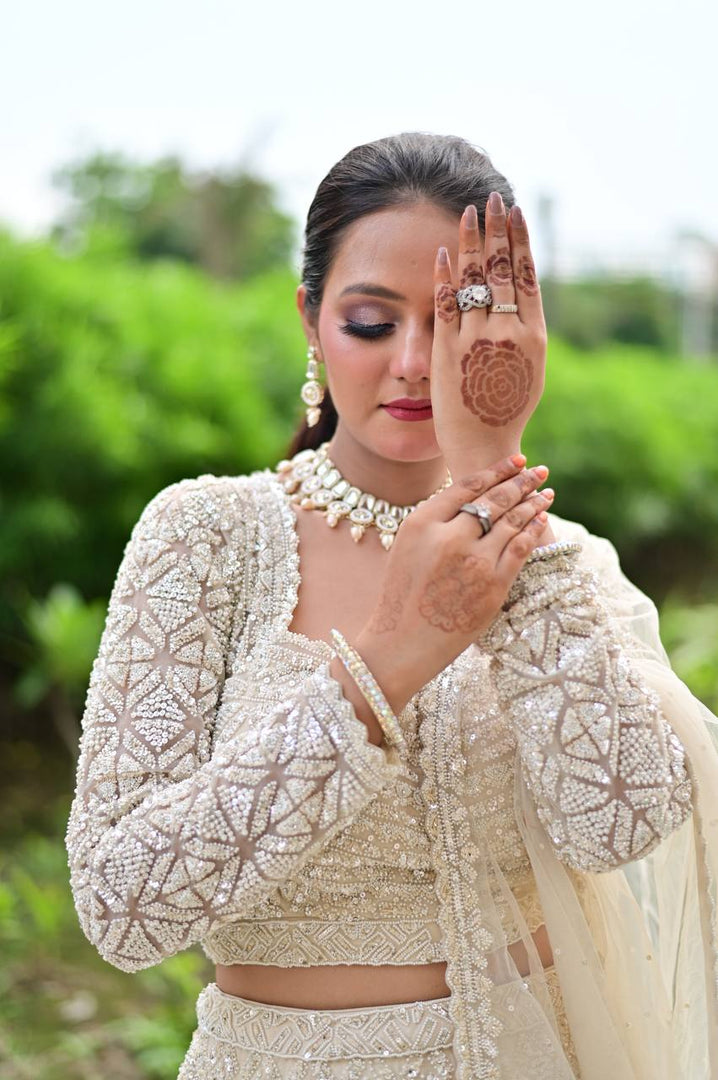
x: 607, y: 772
x: 361, y: 707
x: 155, y: 872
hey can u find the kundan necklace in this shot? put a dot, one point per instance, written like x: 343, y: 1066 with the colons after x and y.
x: 315, y: 483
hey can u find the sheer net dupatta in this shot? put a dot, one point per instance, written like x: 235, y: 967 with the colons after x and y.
x: 505, y: 1025
x: 634, y: 937
x: 636, y: 950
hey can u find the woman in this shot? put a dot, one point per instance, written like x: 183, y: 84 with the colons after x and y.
x: 421, y: 783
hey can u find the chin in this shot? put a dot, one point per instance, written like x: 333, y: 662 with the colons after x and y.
x: 410, y: 444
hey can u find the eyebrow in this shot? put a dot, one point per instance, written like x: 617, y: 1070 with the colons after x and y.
x: 367, y: 289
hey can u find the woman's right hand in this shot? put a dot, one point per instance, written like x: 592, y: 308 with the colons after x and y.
x: 445, y: 582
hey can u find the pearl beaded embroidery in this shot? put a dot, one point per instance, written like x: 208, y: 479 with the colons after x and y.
x: 227, y: 794
x: 369, y: 688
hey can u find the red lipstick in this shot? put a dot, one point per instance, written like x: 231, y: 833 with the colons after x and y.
x: 409, y: 408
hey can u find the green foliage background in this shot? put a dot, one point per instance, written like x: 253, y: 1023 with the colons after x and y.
x: 119, y: 376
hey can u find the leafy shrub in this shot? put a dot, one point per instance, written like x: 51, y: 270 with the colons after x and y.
x: 632, y: 443
x: 119, y: 377
x: 690, y: 635
x: 65, y: 1014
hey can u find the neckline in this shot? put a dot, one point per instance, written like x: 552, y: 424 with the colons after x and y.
x: 318, y: 646
x: 289, y: 520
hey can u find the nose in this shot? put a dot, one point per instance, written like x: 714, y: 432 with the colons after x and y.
x: 411, y: 352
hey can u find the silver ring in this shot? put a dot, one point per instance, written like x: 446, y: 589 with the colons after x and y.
x: 481, y: 512
x: 473, y: 296
x: 505, y: 309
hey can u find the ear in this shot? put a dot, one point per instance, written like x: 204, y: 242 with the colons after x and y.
x: 308, y: 319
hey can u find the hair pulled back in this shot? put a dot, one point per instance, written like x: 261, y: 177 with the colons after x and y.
x: 398, y: 170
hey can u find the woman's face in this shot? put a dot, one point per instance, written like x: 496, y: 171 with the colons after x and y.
x: 377, y: 348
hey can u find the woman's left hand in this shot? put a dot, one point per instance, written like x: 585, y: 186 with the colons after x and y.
x: 487, y: 368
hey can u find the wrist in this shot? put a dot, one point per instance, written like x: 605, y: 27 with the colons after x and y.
x: 369, y: 688
x: 355, y: 697
x: 544, y: 581
x: 549, y: 572
x: 467, y: 462
x: 394, y: 678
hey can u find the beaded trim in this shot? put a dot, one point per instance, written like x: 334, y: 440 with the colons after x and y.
x: 550, y: 564
x: 549, y: 551
x: 359, y: 1034
x: 370, y: 689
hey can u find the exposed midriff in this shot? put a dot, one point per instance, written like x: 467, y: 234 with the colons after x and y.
x: 347, y: 986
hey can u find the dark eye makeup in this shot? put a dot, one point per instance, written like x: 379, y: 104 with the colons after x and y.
x: 366, y: 330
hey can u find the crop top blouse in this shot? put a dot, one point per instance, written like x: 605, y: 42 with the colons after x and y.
x: 228, y: 795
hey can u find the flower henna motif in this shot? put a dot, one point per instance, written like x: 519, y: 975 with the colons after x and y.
x: 473, y: 274
x: 496, y: 382
x: 391, y: 604
x: 498, y: 268
x: 526, y: 276
x: 452, y: 600
x: 446, y: 306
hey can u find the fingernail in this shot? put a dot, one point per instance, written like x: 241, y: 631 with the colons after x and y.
x: 548, y: 493
x: 519, y: 460
x: 541, y: 472
x: 516, y: 216
x: 443, y: 257
x: 471, y: 217
x: 496, y: 203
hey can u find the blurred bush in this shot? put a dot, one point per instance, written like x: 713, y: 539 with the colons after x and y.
x: 631, y: 439
x: 64, y: 1013
x: 227, y: 222
x: 690, y: 636
x: 63, y: 640
x: 118, y: 377
x: 596, y: 309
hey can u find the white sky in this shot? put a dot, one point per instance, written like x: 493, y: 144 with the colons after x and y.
x: 609, y: 108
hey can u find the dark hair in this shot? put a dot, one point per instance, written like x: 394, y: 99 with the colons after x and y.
x: 396, y: 171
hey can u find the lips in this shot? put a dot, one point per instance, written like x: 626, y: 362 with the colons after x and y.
x: 410, y: 409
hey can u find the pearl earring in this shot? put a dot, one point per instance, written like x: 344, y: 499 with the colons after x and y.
x: 312, y: 392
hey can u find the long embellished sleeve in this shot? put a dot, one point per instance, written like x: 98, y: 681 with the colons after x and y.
x: 606, y: 771
x: 168, y: 836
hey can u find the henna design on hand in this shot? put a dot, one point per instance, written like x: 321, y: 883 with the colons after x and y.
x: 387, y: 613
x: 526, y: 276
x: 452, y: 600
x: 480, y: 482
x: 496, y: 383
x: 446, y: 306
x: 501, y: 498
x: 473, y: 274
x: 498, y: 267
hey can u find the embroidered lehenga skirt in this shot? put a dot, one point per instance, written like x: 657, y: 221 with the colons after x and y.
x: 239, y: 1039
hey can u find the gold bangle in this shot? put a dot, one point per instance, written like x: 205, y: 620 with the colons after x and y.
x: 370, y: 689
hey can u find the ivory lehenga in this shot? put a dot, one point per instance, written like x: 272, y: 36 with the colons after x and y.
x: 556, y: 772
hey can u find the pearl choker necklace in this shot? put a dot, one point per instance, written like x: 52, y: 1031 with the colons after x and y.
x: 315, y: 483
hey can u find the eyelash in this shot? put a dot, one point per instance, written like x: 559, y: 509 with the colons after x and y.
x: 366, y: 330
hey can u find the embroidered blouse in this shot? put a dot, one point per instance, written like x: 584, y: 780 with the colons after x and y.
x: 227, y: 793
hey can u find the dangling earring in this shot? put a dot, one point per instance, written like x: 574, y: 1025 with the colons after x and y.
x: 312, y: 393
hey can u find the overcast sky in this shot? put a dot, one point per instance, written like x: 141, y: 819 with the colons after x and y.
x: 609, y: 108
